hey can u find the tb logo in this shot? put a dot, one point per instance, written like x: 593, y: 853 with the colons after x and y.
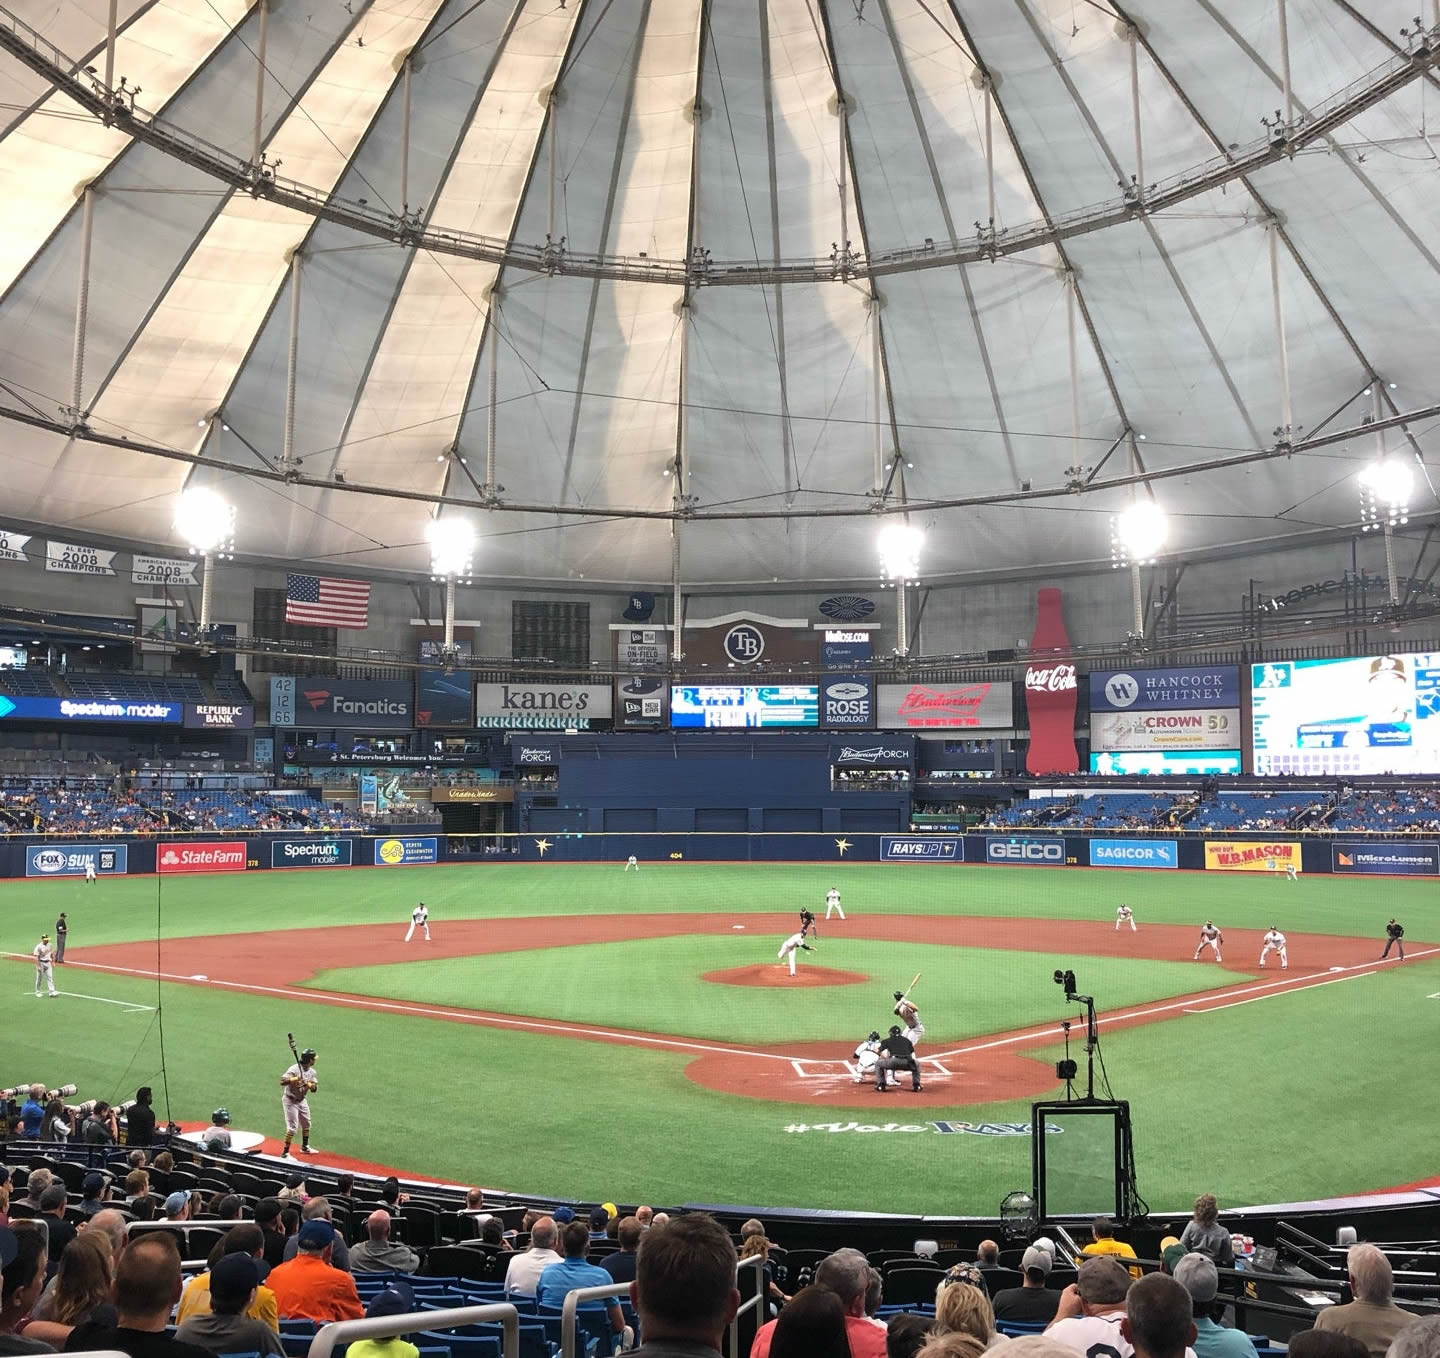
x: 744, y: 643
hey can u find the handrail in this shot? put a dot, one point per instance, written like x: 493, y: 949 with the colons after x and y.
x: 757, y: 1262
x: 387, y: 1327
x: 573, y: 1298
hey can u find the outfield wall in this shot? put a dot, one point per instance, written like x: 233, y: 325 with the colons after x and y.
x: 176, y: 855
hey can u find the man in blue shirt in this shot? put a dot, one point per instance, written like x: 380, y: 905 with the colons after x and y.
x: 572, y: 1272
x: 1197, y: 1274
x: 32, y: 1113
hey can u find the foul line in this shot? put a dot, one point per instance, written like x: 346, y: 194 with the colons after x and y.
x: 424, y: 1011
x: 99, y: 999
x: 1275, y: 988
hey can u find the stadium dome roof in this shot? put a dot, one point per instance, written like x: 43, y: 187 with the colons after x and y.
x: 746, y: 240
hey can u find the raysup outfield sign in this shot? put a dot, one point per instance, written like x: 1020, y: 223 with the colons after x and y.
x: 921, y: 849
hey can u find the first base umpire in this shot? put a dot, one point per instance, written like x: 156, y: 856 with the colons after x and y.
x: 1394, y: 938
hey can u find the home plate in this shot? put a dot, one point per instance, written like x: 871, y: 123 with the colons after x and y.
x: 737, y: 926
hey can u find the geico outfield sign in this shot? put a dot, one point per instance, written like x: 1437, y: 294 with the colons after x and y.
x: 1037, y: 853
x: 518, y: 705
x: 1255, y: 856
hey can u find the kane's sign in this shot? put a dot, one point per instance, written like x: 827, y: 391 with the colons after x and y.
x: 542, y: 706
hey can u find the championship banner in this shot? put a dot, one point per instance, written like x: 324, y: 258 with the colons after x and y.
x: 162, y: 570
x: 12, y: 546
x: 1265, y: 856
x: 1200, y: 728
x: 72, y: 558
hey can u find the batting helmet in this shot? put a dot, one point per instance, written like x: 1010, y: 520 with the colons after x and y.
x: 308, y: 1054
x: 874, y: 1035
x: 899, y: 994
x: 220, y: 1117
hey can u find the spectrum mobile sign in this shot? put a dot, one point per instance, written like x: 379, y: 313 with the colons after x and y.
x: 310, y: 853
x: 1134, y: 853
x: 921, y: 849
x: 212, y: 856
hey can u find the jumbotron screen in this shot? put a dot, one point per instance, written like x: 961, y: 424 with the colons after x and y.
x: 1365, y: 714
x: 744, y: 705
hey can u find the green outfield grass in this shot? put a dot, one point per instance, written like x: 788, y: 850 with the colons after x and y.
x: 655, y: 985
x: 1306, y: 1094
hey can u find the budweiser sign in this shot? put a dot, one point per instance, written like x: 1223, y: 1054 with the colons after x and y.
x: 1053, y: 679
x: 917, y: 707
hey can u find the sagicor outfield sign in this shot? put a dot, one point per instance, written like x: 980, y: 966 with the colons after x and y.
x: 69, y: 860
x: 1134, y: 853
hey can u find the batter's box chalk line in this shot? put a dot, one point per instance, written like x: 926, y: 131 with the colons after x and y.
x: 847, y: 1070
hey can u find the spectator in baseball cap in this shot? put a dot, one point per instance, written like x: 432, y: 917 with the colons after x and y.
x: 564, y: 1215
x: 177, y: 1206
x: 94, y: 1192
x: 226, y: 1328
x: 246, y: 1239
x: 308, y: 1286
x: 1092, y: 1307
x: 1197, y: 1274
x: 394, y: 1300
x: 1032, y: 1300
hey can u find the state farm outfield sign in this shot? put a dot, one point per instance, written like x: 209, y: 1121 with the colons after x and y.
x: 940, y: 707
x: 210, y: 856
x: 541, y: 707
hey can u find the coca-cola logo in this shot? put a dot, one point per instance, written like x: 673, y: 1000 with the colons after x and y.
x: 1051, y: 679
x: 964, y: 701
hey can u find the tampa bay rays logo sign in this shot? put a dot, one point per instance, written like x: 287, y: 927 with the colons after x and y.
x: 744, y: 643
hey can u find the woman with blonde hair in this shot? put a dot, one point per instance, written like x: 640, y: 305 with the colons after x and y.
x: 758, y: 1244
x: 1204, y: 1234
x: 961, y: 1307
x: 81, y: 1292
x: 955, y: 1344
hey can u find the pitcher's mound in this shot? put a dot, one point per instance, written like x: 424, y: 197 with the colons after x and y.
x: 777, y: 974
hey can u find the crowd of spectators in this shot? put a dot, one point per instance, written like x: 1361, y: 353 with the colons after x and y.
x: 1388, y: 810
x: 74, y: 1280
x: 98, y: 807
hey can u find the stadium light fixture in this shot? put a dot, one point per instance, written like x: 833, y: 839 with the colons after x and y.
x: 1385, y: 489
x: 900, y: 544
x: 1137, y: 536
x: 452, y: 550
x: 205, y: 519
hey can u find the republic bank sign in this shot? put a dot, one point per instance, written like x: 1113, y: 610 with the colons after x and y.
x: 541, y: 707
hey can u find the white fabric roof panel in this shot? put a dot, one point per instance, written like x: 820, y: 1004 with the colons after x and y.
x: 681, y: 125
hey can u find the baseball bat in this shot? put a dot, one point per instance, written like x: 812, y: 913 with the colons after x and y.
x: 911, y: 986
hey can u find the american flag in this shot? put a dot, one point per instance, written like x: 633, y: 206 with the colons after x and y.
x: 319, y: 601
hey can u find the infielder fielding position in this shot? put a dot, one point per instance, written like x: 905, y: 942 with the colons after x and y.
x: 1212, y: 938
x: 1274, y: 942
x: 419, y: 919
x: 296, y: 1086
x: 1125, y: 915
x: 832, y: 902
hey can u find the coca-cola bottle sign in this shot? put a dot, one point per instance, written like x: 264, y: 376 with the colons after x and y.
x: 1051, y: 691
